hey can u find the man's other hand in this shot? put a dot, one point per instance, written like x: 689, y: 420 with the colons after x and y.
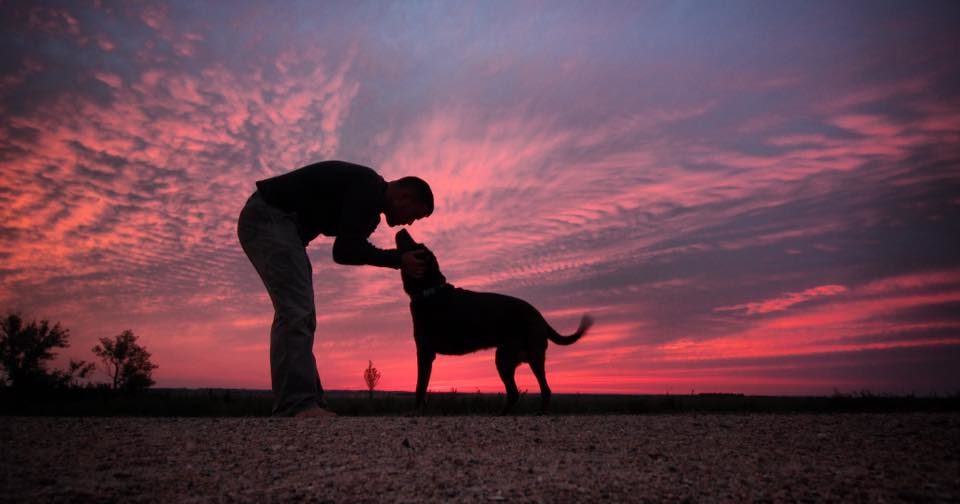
x: 412, y: 263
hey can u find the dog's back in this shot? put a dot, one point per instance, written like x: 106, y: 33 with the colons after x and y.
x: 460, y: 321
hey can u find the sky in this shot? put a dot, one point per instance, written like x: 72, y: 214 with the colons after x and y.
x: 749, y: 197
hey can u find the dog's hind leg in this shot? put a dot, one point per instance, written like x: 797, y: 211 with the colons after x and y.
x: 507, y: 366
x: 537, y: 366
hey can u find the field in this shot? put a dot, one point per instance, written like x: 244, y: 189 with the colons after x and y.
x: 221, y: 446
x: 234, y: 403
x: 693, y: 457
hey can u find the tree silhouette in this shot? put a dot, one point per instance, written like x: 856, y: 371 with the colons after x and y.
x: 372, y: 377
x: 25, y: 350
x: 127, y: 363
x: 76, y: 371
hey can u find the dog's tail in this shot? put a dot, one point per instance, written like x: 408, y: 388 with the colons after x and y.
x: 585, y: 324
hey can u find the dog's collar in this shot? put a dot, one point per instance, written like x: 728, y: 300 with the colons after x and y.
x: 432, y: 291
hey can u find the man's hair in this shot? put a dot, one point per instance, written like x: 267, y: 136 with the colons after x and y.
x: 419, y: 188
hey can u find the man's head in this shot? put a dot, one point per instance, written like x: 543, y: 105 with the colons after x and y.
x: 408, y: 199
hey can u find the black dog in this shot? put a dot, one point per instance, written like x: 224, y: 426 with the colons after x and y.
x: 453, y: 321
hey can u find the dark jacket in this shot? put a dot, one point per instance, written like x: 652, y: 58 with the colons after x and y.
x: 335, y: 198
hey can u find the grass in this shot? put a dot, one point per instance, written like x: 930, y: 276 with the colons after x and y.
x: 257, y: 403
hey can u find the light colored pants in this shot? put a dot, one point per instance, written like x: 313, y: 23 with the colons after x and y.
x: 269, y: 237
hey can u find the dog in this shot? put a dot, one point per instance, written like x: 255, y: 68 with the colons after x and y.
x: 452, y: 321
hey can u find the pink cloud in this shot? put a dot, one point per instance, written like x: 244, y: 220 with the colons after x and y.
x: 786, y: 300
x: 869, y: 125
x: 105, y: 43
x: 821, y: 328
x: 53, y: 20
x: 912, y: 282
x: 110, y: 79
x: 154, y: 16
x: 876, y: 92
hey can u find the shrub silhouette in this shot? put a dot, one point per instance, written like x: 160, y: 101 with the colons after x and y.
x: 25, y: 350
x: 372, y: 377
x: 76, y: 371
x: 127, y: 363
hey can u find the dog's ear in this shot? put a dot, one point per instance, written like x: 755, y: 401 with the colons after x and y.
x: 405, y: 241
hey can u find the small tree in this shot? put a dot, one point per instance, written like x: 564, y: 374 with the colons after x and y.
x: 25, y: 350
x: 372, y: 377
x: 76, y: 371
x: 127, y: 363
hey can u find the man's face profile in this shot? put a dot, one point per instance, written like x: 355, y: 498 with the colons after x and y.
x: 405, y: 210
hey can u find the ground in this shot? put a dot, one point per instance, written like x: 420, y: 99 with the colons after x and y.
x: 913, y: 457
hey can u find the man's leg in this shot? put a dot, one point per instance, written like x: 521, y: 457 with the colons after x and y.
x: 293, y: 368
x: 269, y: 238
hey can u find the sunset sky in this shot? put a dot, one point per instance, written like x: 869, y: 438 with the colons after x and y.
x: 756, y: 197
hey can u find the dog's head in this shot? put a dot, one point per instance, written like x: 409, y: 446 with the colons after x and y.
x: 431, y: 275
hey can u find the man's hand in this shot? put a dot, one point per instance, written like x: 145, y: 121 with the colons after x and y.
x: 412, y: 263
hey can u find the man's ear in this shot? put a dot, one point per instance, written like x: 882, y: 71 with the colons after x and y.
x: 404, y: 241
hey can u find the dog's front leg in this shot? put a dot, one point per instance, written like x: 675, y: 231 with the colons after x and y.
x: 424, y: 367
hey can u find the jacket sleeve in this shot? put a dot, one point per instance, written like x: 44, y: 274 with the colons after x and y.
x: 358, y: 218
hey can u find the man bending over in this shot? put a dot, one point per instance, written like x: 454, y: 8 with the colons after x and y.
x: 284, y: 214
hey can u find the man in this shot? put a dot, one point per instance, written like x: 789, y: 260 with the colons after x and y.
x: 284, y: 214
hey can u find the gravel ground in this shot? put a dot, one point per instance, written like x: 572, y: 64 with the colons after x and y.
x: 689, y: 457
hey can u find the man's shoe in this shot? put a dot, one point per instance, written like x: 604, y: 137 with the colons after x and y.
x: 314, y: 413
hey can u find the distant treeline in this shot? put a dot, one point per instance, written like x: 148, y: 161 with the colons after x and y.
x: 234, y: 402
x: 28, y: 347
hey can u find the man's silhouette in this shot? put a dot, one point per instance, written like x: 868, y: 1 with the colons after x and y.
x: 284, y: 214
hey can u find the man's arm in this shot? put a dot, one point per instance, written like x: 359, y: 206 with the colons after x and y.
x: 355, y: 250
x: 358, y: 218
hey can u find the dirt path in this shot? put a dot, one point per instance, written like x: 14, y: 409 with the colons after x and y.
x: 700, y: 458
